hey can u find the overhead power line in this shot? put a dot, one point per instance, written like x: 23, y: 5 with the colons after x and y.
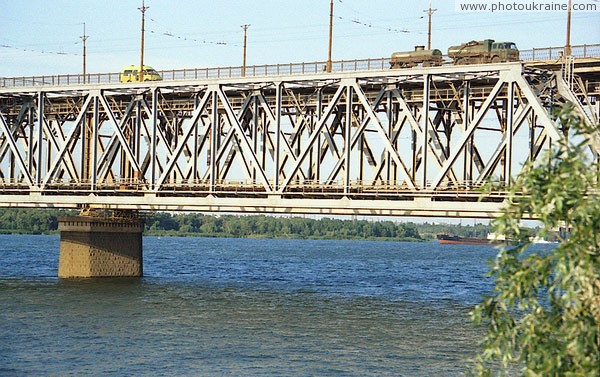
x: 186, y: 38
x: 374, y: 26
x: 38, y: 51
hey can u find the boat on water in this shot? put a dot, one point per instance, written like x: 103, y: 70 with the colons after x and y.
x: 446, y: 239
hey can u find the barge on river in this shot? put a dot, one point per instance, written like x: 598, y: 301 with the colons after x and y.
x: 446, y: 239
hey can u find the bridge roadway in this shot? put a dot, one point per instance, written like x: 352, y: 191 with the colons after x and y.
x: 409, y: 142
x: 547, y: 58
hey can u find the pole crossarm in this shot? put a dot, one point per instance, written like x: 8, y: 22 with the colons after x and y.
x: 401, y: 142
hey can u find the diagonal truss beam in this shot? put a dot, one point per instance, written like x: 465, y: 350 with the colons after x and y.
x: 245, y: 144
x: 322, y: 122
x: 384, y: 138
x: 468, y: 133
x: 183, y: 141
x: 119, y: 133
x: 68, y: 141
x: 15, y: 150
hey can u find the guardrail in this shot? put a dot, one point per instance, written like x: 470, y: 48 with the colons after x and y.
x: 547, y: 53
x: 555, y: 53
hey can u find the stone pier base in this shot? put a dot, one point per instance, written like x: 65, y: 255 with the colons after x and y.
x: 93, y: 247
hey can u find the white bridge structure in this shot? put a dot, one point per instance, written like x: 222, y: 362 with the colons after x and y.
x: 401, y: 142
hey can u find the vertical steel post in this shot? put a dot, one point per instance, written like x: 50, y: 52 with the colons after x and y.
x: 532, y: 136
x: 425, y: 141
x: 154, y: 137
x: 194, y: 155
x: 390, y: 163
x: 30, y: 144
x: 277, y: 135
x: 137, y: 131
x: 265, y: 131
x: 85, y: 148
x: 94, y: 141
x: 40, y: 138
x: 317, y: 177
x: 214, y: 131
x: 347, y: 139
x: 509, y: 131
x: 49, y: 150
x: 255, y: 120
x: 466, y: 122
x: 414, y: 144
x: 361, y: 158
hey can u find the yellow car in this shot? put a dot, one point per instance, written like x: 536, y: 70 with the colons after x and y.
x: 130, y: 73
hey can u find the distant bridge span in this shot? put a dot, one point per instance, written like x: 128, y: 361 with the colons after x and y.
x: 410, y: 142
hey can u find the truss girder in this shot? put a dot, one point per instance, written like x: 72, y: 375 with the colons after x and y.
x: 389, y: 134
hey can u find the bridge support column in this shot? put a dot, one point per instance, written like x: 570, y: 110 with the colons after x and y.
x: 92, y: 247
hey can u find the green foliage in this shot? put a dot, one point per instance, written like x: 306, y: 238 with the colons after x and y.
x: 33, y: 220
x: 544, y: 313
x: 478, y: 230
x: 259, y: 226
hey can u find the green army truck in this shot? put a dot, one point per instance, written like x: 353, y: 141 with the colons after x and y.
x: 481, y: 52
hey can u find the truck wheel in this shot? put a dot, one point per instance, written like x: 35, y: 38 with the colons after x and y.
x: 496, y: 59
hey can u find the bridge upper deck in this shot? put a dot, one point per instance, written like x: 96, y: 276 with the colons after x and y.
x: 587, y: 59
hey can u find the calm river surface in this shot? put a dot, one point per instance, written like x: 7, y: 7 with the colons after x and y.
x: 244, y: 307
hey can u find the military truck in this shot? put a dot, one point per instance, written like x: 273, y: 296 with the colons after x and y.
x: 409, y: 59
x: 486, y: 51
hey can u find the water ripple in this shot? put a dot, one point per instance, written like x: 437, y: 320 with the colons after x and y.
x: 244, y: 307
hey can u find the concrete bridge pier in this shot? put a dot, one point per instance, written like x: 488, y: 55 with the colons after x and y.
x: 98, y: 246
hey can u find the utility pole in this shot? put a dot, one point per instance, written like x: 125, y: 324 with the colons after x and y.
x: 245, y: 27
x: 429, y: 13
x: 568, y: 44
x: 84, y: 38
x: 143, y: 9
x: 328, y: 68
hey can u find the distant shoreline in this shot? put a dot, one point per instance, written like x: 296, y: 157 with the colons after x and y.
x: 281, y: 237
x: 164, y: 224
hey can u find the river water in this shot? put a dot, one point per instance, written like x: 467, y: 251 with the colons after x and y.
x: 245, y: 307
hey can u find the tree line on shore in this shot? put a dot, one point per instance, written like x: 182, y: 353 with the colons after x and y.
x: 45, y: 221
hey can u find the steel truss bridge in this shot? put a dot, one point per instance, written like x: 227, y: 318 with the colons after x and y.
x: 410, y: 142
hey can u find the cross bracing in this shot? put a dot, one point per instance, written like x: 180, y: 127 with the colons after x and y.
x: 389, y: 142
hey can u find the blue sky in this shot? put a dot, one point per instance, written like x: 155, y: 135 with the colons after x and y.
x: 41, y: 37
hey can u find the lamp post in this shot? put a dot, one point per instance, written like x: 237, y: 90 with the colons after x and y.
x: 329, y: 64
x: 143, y: 10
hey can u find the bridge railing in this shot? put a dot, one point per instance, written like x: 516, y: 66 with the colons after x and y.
x: 555, y: 53
x: 548, y: 53
x: 58, y: 80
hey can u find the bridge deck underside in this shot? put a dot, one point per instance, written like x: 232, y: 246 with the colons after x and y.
x: 411, y: 142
